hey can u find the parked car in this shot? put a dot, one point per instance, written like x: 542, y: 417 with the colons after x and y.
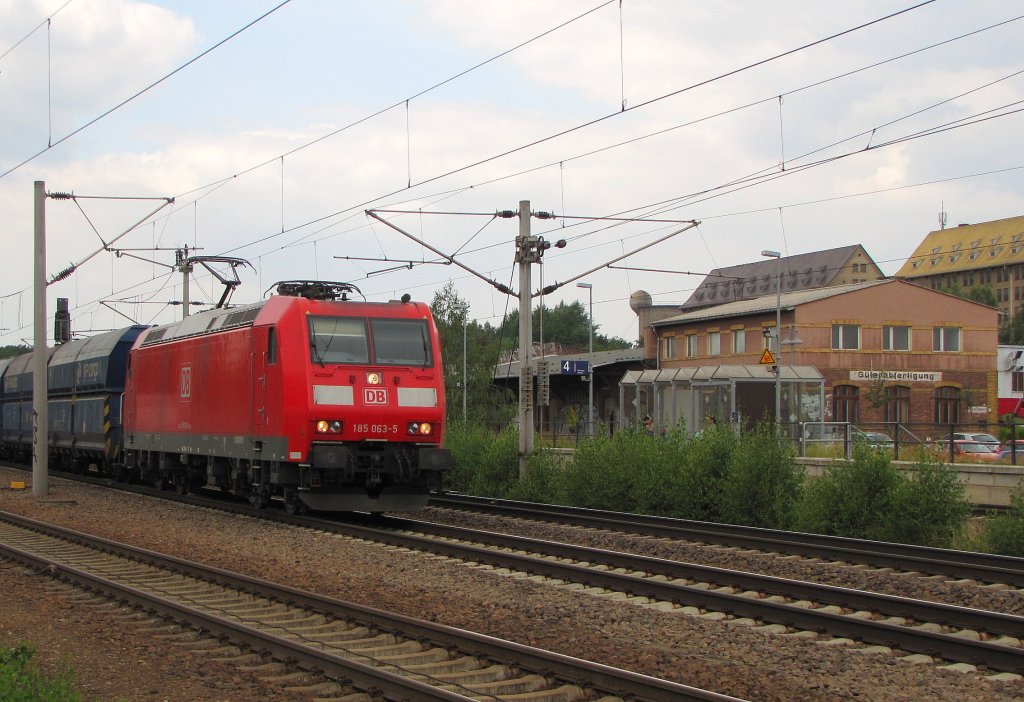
x: 968, y: 451
x: 1012, y: 449
x: 874, y: 439
x: 979, y: 436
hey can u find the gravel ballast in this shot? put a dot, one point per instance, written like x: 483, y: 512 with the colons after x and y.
x: 729, y: 658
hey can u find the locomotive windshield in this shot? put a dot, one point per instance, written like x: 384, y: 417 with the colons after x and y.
x: 338, y: 340
x: 401, y: 342
x: 395, y: 342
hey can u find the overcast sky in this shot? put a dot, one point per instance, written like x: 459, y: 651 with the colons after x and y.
x: 273, y: 143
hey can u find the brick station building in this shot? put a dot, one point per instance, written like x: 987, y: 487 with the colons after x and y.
x: 889, y: 351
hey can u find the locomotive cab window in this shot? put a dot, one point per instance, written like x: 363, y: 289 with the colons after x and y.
x: 272, y: 345
x: 401, y: 342
x: 338, y: 340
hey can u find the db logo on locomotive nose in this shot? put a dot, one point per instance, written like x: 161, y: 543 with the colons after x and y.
x: 375, y: 396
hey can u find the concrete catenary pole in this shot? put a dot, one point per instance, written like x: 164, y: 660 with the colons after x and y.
x: 40, y: 415
x: 525, y: 249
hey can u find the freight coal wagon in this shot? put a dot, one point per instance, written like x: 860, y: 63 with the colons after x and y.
x: 85, y: 382
x: 308, y: 397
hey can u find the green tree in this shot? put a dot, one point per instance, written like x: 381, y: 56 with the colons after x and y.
x: 1012, y: 332
x: 12, y: 351
x: 485, y: 402
x: 984, y: 294
x: 565, y: 323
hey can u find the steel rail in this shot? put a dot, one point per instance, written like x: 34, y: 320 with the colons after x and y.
x: 993, y: 655
x: 609, y: 680
x: 984, y: 567
x: 891, y: 605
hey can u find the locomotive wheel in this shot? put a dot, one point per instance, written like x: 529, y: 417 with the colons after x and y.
x: 258, y: 500
x: 294, y: 506
x: 181, y: 486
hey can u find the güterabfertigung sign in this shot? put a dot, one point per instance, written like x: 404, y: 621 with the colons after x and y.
x: 902, y: 376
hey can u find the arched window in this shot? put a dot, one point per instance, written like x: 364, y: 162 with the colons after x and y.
x: 947, y: 405
x: 897, y: 403
x: 844, y: 403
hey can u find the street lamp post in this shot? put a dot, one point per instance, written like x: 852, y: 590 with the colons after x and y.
x: 464, y: 309
x: 778, y: 333
x: 590, y: 357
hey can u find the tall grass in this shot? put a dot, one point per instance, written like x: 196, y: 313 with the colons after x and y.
x: 22, y: 681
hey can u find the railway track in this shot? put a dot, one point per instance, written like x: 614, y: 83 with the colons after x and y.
x: 779, y: 605
x: 343, y: 648
x: 946, y: 633
x: 841, y: 615
x: 983, y: 567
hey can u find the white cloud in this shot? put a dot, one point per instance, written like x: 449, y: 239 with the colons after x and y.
x: 314, y: 67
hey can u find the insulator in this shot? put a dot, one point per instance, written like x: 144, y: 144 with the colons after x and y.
x: 63, y: 274
x: 544, y: 215
x: 506, y: 214
x: 61, y: 196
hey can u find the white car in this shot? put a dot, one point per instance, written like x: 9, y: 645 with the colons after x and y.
x: 981, y: 437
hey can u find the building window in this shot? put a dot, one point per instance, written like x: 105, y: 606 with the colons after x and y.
x: 739, y: 341
x: 845, y: 337
x: 946, y: 339
x: 668, y: 347
x: 897, y: 403
x: 714, y: 343
x: 844, y: 403
x: 895, y: 338
x: 1017, y: 381
x: 947, y: 405
x: 691, y: 346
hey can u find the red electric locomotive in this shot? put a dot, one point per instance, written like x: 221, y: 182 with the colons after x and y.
x: 308, y: 397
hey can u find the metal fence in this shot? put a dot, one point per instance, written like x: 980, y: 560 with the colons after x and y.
x: 955, y: 443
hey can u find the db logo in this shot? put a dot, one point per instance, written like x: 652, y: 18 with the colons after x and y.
x: 186, y: 382
x: 375, y: 396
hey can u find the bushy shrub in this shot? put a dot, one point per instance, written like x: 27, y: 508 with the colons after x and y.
x: 720, y: 475
x: 763, y: 481
x: 485, y: 463
x: 706, y: 462
x: 869, y: 498
x: 929, y: 507
x: 851, y: 498
x: 1004, y: 533
x: 623, y: 472
x: 543, y: 479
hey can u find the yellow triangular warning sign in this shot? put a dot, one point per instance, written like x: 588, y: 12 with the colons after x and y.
x: 767, y: 359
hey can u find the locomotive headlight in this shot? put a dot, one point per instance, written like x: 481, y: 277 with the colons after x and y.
x: 328, y: 426
x: 421, y: 428
x: 374, y: 378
